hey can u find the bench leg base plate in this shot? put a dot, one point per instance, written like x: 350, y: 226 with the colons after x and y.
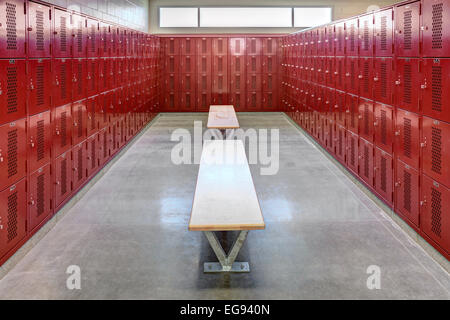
x: 216, y: 267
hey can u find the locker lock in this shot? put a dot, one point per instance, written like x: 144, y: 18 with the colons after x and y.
x: 336, y: 106
x: 375, y: 79
x: 360, y: 117
x: 375, y: 123
x: 398, y: 184
x: 397, y: 133
x: 31, y: 202
x: 397, y: 82
x: 423, y: 86
x: 347, y: 74
x: 423, y: 203
x: 423, y: 144
x: 360, y: 76
x: 32, y: 143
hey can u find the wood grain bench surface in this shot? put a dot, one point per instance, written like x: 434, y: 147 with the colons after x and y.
x: 225, y: 198
x: 222, y: 117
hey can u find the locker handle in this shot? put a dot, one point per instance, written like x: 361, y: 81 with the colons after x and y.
x: 31, y: 202
x: 423, y: 86
x: 423, y: 144
x: 397, y: 82
x: 375, y: 123
x: 29, y: 29
x: 397, y: 133
x: 375, y: 79
x: 360, y: 117
x: 423, y: 203
x: 360, y: 76
x: 57, y: 183
x: 336, y: 106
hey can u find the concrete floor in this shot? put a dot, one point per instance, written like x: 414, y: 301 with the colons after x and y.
x: 129, y: 235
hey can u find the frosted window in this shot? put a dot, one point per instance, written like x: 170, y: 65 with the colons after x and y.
x: 246, y: 17
x: 311, y: 17
x: 178, y: 17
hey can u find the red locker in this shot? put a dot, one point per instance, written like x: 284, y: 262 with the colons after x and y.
x: 91, y: 34
x: 188, y: 64
x: 62, y: 40
x: 63, y: 177
x: 112, y: 74
x: 253, y: 46
x: 79, y: 116
x: 101, y: 114
x: 39, y: 140
x: 237, y: 64
x: 13, y: 152
x: 172, y: 64
x: 220, y: 98
x: 79, y: 36
x: 366, y: 77
x: 204, y: 46
x: 382, y: 80
x: 237, y: 46
x: 79, y: 165
x: 204, y: 82
x: 79, y: 77
x: 384, y: 175
x: 172, y: 82
x: 187, y: 101
x: 384, y: 127
x: 40, y: 85
x: 103, y: 68
x: 104, y: 38
x: 254, y: 64
x: 327, y: 126
x: 238, y: 100
x: 12, y: 90
x: 365, y: 161
x: 434, y: 217
x: 352, y: 151
x: 40, y: 202
x: 254, y: 100
x: 171, y: 100
x: 407, y: 142
x: 172, y: 46
x: 103, y: 143
x: 351, y: 75
x: 92, y: 150
x: 254, y: 82
x: 329, y: 40
x: 406, y: 193
x: 220, y: 46
x: 383, y: 33
x: 339, y: 38
x: 91, y: 110
x: 220, y: 83
x: 92, y: 77
x: 436, y: 150
x: 366, y: 119
x: 339, y: 73
x: 269, y: 82
x: 114, y: 40
x: 435, y: 26
x: 39, y: 25
x: 351, y: 37
x: 188, y: 46
x: 366, y: 41
x: 339, y: 107
x: 270, y: 46
x: 62, y: 82
x: 329, y: 72
x: 204, y: 100
x: 13, y: 216
x: 340, y: 143
x: 188, y: 82
x: 113, y: 144
x: 237, y: 82
x: 270, y: 64
x: 12, y: 29
x: 204, y: 64
x: 62, y: 122
x: 407, y: 30
x: 220, y: 65
x: 435, y: 96
x: 407, y: 84
x: 269, y: 101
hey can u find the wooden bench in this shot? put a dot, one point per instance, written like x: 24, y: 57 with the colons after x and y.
x: 225, y: 200
x: 222, y: 117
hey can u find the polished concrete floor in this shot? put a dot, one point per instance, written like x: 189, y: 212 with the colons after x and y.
x: 129, y: 234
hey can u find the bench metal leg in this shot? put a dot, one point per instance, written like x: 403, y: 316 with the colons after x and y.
x: 226, y: 262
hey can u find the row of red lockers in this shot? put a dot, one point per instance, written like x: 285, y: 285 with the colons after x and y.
x: 415, y: 84
x: 34, y: 85
x: 408, y: 29
x: 37, y: 30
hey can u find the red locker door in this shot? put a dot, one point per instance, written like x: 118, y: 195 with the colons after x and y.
x: 407, y: 30
x: 434, y: 218
x: 383, y: 33
x: 254, y: 82
x: 13, y: 216
x: 188, y: 82
x: 92, y: 121
x: 92, y: 150
x: 383, y: 75
x: 79, y: 77
x: 237, y: 64
x: 12, y: 90
x: 101, y: 113
x: 188, y: 46
x: 339, y: 73
x: 40, y: 85
x: 329, y: 40
x: 253, y: 46
x: 238, y: 100
x: 79, y: 165
x: 172, y: 82
x: 172, y: 46
x: 103, y: 138
x: 339, y: 38
x: 62, y: 82
x: 270, y: 64
x: 407, y: 192
x: 188, y: 64
x: 38, y: 30
x: 270, y: 46
x: 237, y: 46
x: 220, y: 98
x: 220, y: 64
x: 352, y: 151
x: 366, y: 119
x: 63, y: 177
x: 339, y: 107
x: 92, y: 77
x: 340, y: 143
x: 204, y: 100
x: 435, y: 96
x: 407, y: 84
x: 269, y: 82
x: 171, y: 101
x: 237, y: 82
x: 187, y: 101
x: 384, y: 127
x: 39, y: 140
x: 329, y: 70
x: 366, y: 35
x: 112, y: 134
x: 436, y: 149
x: 407, y: 142
x: 103, y: 68
x: 79, y: 35
x: 204, y: 82
x: 220, y: 46
x: 366, y: 161
x: 351, y: 37
x: 204, y: 64
x: 12, y: 29
x: 269, y: 101
x: 111, y: 75
x: 62, y: 40
x: 351, y: 75
x: 384, y: 175
x: 40, y: 202
x: 62, y: 139
x: 172, y: 64
x: 435, y: 26
x: 13, y: 152
x: 92, y: 33
x: 220, y: 83
x: 204, y: 46
x: 253, y: 100
x: 104, y: 39
x: 366, y: 77
x: 79, y: 116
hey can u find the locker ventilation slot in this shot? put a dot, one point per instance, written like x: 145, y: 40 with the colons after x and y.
x: 40, y: 140
x: 39, y: 30
x: 352, y: 38
x: 436, y: 211
x: 80, y: 123
x: 63, y: 81
x: 366, y: 77
x: 436, y: 150
x: 383, y: 127
x: 407, y: 30
x: 352, y: 71
x: 40, y: 94
x: 40, y: 202
x: 63, y: 34
x: 407, y: 138
x: 63, y: 177
x: 383, y: 174
x: 436, y: 91
x: 340, y: 146
x: 407, y: 87
x: 366, y: 161
x: 353, y: 114
x: 436, y: 26
x: 93, y: 124
x: 12, y: 216
x: 63, y: 129
x: 105, y: 145
x: 366, y: 119
x: 407, y: 191
x: 92, y: 38
x: 12, y: 153
x: 80, y: 78
x: 383, y: 80
x: 352, y: 151
x: 11, y: 26
x: 11, y: 89
x: 383, y: 33
x: 80, y: 37
x: 366, y: 36
x: 80, y: 164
